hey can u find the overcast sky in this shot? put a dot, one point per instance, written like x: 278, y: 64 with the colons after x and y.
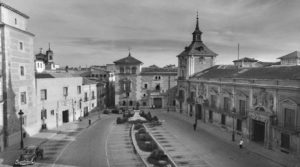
x: 97, y: 32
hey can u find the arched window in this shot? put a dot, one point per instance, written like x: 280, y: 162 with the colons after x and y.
x: 157, y: 87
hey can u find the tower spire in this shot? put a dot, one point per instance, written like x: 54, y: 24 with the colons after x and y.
x: 197, y: 33
x: 197, y: 23
x: 129, y: 52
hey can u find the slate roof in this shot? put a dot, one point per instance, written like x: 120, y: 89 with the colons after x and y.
x: 246, y: 59
x: 128, y: 60
x: 271, y: 72
x: 295, y: 54
x: 197, y: 48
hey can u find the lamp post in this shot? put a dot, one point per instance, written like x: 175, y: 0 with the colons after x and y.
x: 21, y: 115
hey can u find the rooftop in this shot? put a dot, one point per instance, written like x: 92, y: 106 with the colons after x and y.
x: 295, y: 54
x: 270, y: 72
x: 13, y: 9
x: 128, y: 60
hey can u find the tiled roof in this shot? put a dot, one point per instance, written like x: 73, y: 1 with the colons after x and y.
x: 246, y: 59
x: 87, y: 81
x: 197, y: 48
x: 295, y: 54
x: 157, y: 70
x: 272, y: 72
x: 56, y: 75
x: 128, y: 60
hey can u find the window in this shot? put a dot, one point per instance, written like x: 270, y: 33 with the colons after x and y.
x: 133, y: 70
x: 242, y: 107
x: 127, y: 94
x: 16, y: 21
x: 226, y: 104
x: 44, y: 114
x: 85, y: 96
x: 130, y: 103
x: 43, y: 94
x: 121, y: 69
x: 128, y: 70
x: 174, y: 102
x: 210, y: 116
x: 145, y: 86
x: 157, y: 87
x: 93, y: 95
x: 65, y: 91
x: 144, y: 103
x: 80, y: 103
x: 213, y: 99
x: 21, y: 45
x: 79, y: 89
x: 144, y: 95
x: 93, y: 105
x: 124, y: 103
x: 22, y: 71
x: 23, y: 97
x: 289, y: 118
x: 52, y: 112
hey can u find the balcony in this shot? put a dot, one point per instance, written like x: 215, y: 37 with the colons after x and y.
x: 190, y: 100
x: 285, y: 127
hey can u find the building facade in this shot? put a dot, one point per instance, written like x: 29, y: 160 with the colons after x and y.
x: 137, y: 87
x: 17, y: 75
x: 63, y: 98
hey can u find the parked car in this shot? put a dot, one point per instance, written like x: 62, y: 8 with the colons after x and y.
x: 29, y: 155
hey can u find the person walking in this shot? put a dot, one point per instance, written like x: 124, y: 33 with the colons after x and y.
x: 241, y: 143
x: 195, y: 125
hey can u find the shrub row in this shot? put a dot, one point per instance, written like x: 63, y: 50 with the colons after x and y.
x: 148, y: 116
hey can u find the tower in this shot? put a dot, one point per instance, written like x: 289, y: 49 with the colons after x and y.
x: 195, y: 57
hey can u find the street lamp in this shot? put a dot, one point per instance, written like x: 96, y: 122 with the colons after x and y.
x: 21, y: 115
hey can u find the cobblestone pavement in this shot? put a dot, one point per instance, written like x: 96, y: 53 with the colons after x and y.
x: 181, y: 155
x: 120, y: 148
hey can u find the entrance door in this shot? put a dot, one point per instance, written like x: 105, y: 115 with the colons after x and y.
x: 210, y: 116
x: 199, y: 111
x: 258, y: 131
x: 157, y: 102
x: 239, y: 125
x: 65, y: 116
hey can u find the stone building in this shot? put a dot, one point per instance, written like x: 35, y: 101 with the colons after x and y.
x: 17, y: 74
x: 142, y: 87
x: 254, y: 99
x: 63, y: 97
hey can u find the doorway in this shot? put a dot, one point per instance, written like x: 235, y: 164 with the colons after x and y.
x: 258, y: 131
x: 65, y: 116
x: 157, y: 102
x: 199, y: 111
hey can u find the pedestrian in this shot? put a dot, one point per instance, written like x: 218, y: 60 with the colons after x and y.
x: 195, y: 125
x: 241, y: 143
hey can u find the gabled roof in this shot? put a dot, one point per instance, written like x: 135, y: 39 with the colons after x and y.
x: 295, y: 54
x: 128, y: 60
x: 271, y: 72
x: 246, y: 59
x: 197, y: 48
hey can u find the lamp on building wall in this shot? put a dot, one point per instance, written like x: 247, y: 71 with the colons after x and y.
x: 21, y: 122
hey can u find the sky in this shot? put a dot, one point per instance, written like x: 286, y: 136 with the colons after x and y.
x: 99, y: 32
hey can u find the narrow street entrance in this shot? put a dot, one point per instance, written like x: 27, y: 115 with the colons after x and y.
x: 258, y: 131
x: 65, y: 116
x: 157, y: 102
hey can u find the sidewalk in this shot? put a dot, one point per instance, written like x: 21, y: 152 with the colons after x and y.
x: 9, y: 155
x: 280, y: 158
